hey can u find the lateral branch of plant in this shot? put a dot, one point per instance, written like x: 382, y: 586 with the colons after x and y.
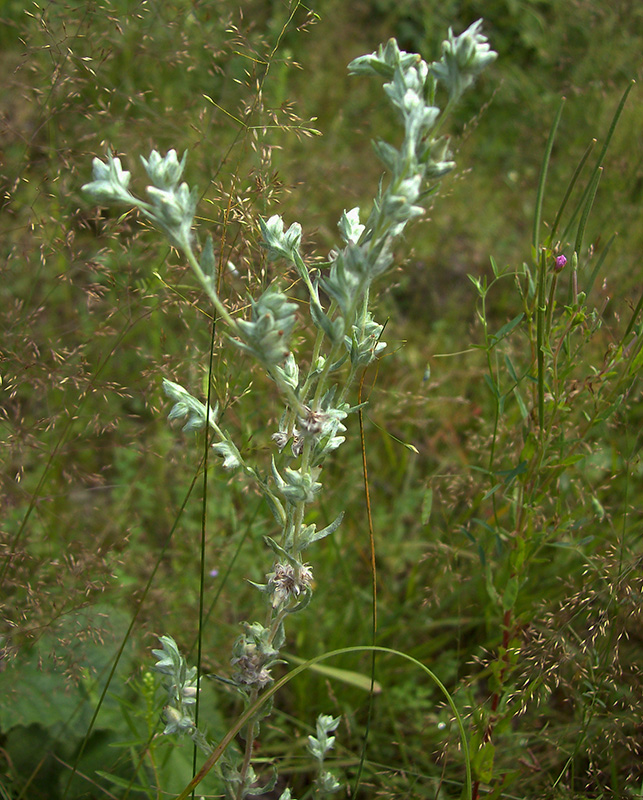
x: 315, y: 398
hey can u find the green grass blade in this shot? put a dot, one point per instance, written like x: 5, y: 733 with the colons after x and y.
x: 348, y: 676
x: 141, y: 601
x: 589, y: 202
x: 540, y: 195
x: 634, y: 317
x: 570, y: 189
x: 587, y: 288
x: 252, y: 710
x: 599, y: 162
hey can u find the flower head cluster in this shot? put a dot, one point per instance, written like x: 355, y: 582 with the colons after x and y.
x: 423, y: 155
x: 349, y: 275
x: 267, y: 334
x: 227, y: 449
x: 365, y: 344
x: 165, y: 173
x: 297, y: 485
x: 250, y: 670
x: 463, y: 59
x: 253, y: 655
x: 319, y: 747
x: 110, y: 182
x: 384, y: 61
x: 278, y: 243
x: 288, y: 582
x: 172, y: 206
x: 322, y: 427
x: 198, y: 414
x: 173, y: 212
x: 407, y: 91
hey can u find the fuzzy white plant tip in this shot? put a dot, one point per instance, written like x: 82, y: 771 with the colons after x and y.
x: 110, y: 182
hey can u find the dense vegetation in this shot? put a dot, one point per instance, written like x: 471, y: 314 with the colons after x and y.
x: 507, y: 562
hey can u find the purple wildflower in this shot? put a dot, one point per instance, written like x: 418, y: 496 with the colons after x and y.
x: 560, y: 263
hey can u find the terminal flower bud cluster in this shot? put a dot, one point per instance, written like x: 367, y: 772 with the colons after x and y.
x: 181, y: 684
x: 110, y: 183
x: 172, y: 206
x: 198, y: 416
x: 254, y: 653
x: 319, y: 747
x: 463, y: 59
x: 188, y: 407
x: 266, y: 335
x: 278, y: 243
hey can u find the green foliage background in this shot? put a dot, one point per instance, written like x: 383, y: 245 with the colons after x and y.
x: 94, y: 312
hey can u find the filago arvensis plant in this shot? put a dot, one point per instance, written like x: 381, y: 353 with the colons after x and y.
x: 314, y: 386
